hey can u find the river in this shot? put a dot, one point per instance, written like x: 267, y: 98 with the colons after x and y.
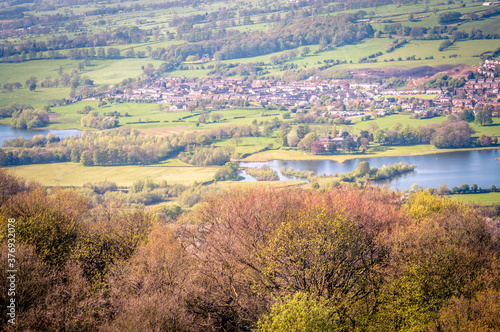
x: 7, y: 132
x: 433, y: 170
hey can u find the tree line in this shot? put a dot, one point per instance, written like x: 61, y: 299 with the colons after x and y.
x: 82, y: 46
x: 326, y: 31
x: 448, y: 134
x: 123, y: 146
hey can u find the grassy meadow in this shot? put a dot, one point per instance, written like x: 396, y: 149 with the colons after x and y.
x: 248, y: 145
x: 483, y: 199
x: 72, y: 174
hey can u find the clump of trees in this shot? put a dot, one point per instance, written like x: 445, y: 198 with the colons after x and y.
x: 141, y: 193
x: 299, y: 174
x: 449, y: 17
x: 7, y: 111
x: 228, y: 172
x: 207, y: 156
x: 263, y: 174
x: 444, y: 80
x: 29, y: 118
x: 93, y: 120
x: 448, y: 134
x: 35, y: 141
x: 119, y: 147
x: 484, y: 116
x: 452, y: 135
x: 365, y: 172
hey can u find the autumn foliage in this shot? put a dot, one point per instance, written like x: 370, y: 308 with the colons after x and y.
x: 258, y: 258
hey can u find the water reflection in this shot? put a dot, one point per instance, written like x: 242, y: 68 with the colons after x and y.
x: 7, y: 132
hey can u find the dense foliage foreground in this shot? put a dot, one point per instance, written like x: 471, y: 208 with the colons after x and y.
x: 258, y: 258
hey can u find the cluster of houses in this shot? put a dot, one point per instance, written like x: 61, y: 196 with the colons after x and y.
x: 179, y: 92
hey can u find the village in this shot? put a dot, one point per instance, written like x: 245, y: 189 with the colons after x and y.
x: 181, y: 92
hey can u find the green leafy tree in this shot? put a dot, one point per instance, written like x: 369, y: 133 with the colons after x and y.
x: 306, y: 142
x: 349, y: 144
x: 29, y: 118
x: 300, y: 312
x: 484, y: 116
x: 31, y: 83
x: 363, y: 168
x: 86, y: 158
x: 228, y: 172
x: 322, y: 253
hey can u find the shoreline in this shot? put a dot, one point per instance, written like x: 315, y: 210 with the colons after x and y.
x: 300, y: 156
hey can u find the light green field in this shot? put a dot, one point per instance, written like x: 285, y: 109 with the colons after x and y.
x: 249, y: 145
x: 20, y: 72
x: 387, y: 122
x: 489, y: 130
x: 483, y: 199
x: 491, y: 25
x: 466, y: 49
x: 67, y: 117
x: 38, y: 98
x: 101, y: 71
x: 424, y: 48
x: 114, y: 71
x: 72, y: 174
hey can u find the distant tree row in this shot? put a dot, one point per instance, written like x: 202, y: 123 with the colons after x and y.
x: 207, y: 156
x: 335, y: 31
x: 80, y: 47
x: 7, y: 111
x: 449, y: 134
x: 365, y: 172
x: 124, y: 146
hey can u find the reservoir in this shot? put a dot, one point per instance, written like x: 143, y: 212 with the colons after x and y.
x: 7, y: 132
x: 433, y: 170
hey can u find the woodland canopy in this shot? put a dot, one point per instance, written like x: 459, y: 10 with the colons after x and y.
x: 259, y: 258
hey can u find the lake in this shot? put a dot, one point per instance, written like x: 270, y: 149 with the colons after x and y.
x: 452, y: 168
x: 7, y: 132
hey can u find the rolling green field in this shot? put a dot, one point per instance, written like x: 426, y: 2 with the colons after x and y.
x: 37, y: 99
x: 66, y: 117
x: 387, y: 122
x: 483, y: 199
x: 249, y: 145
x: 72, y: 174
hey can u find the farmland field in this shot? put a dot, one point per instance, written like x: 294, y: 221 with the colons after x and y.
x: 71, y: 174
x: 483, y: 199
